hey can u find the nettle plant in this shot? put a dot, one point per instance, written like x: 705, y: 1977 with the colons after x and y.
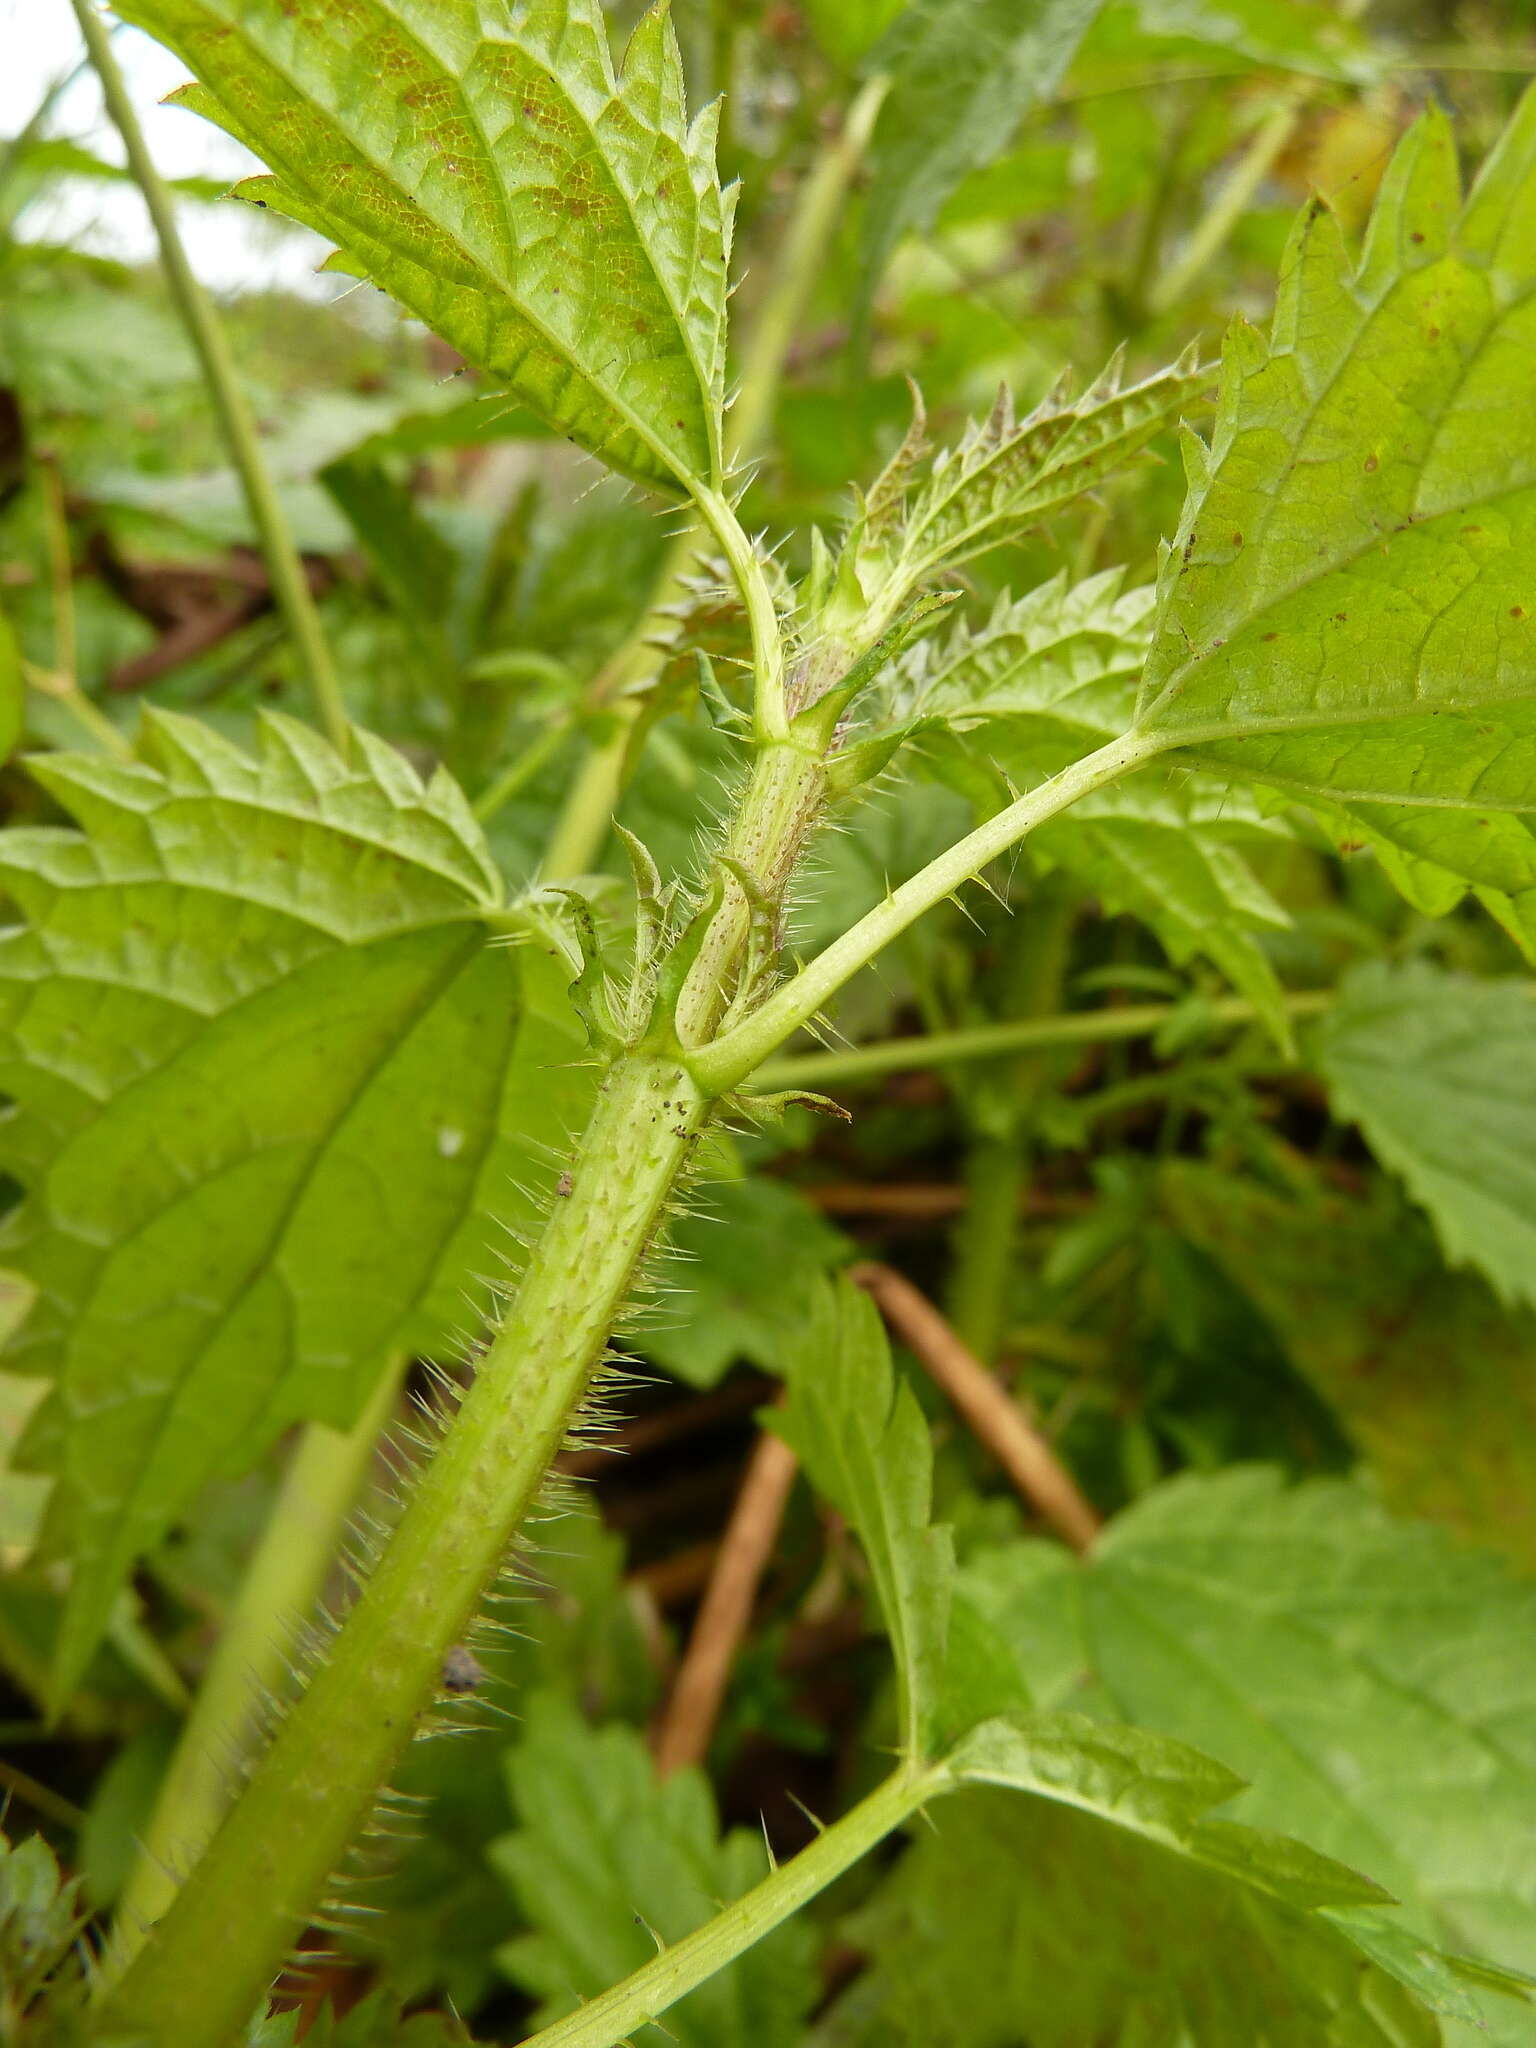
x: 281, y: 1042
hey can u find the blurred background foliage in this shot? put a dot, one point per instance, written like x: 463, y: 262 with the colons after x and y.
x: 1170, y: 1246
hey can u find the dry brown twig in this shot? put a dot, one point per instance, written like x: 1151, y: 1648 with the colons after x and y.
x: 693, y: 1707
x: 1024, y: 1454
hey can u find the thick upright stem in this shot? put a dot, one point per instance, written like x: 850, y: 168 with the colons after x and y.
x: 250, y: 1666
x: 214, y: 1954
x: 290, y: 586
x: 731, y: 1058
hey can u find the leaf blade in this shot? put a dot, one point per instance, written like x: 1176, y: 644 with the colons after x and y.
x: 560, y: 225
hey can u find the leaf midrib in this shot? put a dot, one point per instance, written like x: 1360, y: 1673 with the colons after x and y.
x: 503, y: 286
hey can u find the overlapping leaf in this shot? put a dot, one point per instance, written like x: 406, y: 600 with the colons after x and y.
x: 1017, y: 1920
x: 272, y: 1087
x: 1350, y: 606
x: 1439, y: 1071
x: 562, y: 227
x: 1370, y: 1680
x: 1036, y: 684
x: 928, y: 513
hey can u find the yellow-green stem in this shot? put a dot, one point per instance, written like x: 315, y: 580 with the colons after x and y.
x: 859, y: 1065
x: 290, y: 585
x: 212, y: 1958
x: 618, y: 2014
x: 251, y: 1664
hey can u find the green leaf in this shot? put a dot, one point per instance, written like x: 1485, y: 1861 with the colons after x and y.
x: 1370, y: 1680
x: 1418, y: 1359
x: 564, y: 229
x: 923, y: 517
x: 609, y: 1862
x: 257, y: 1041
x: 40, y: 1923
x: 963, y: 75
x: 865, y: 1445
x: 1021, y: 1919
x: 1032, y: 687
x: 1170, y: 854
x: 1439, y: 1071
x: 1304, y: 36
x: 1060, y: 663
x: 1349, y: 608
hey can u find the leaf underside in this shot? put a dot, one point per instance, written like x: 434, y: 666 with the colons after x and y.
x: 1349, y: 608
x: 275, y: 1097
x: 562, y: 227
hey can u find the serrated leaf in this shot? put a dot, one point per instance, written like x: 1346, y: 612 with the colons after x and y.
x: 609, y: 1861
x: 562, y: 227
x: 40, y: 1922
x: 1418, y: 1359
x: 865, y: 1445
x: 1349, y: 608
x: 1021, y: 1919
x: 1156, y: 1788
x: 1370, y: 1680
x: 1170, y: 853
x: 963, y: 75
x: 1439, y: 1071
x: 1062, y: 660
x: 1002, y: 478
x: 275, y: 1095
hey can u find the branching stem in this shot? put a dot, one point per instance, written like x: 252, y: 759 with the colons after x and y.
x: 728, y: 1062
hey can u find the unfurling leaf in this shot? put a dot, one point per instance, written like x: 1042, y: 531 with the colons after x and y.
x: 1003, y: 477
x: 1349, y: 609
x: 275, y: 1093
x: 561, y: 227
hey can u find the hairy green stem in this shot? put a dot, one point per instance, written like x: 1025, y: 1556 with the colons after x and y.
x: 620, y: 2013
x: 277, y: 1597
x: 726, y: 1063
x: 214, y: 1954
x: 290, y: 585
x: 861, y: 1064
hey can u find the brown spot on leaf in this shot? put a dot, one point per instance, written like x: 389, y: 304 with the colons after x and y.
x: 1372, y: 464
